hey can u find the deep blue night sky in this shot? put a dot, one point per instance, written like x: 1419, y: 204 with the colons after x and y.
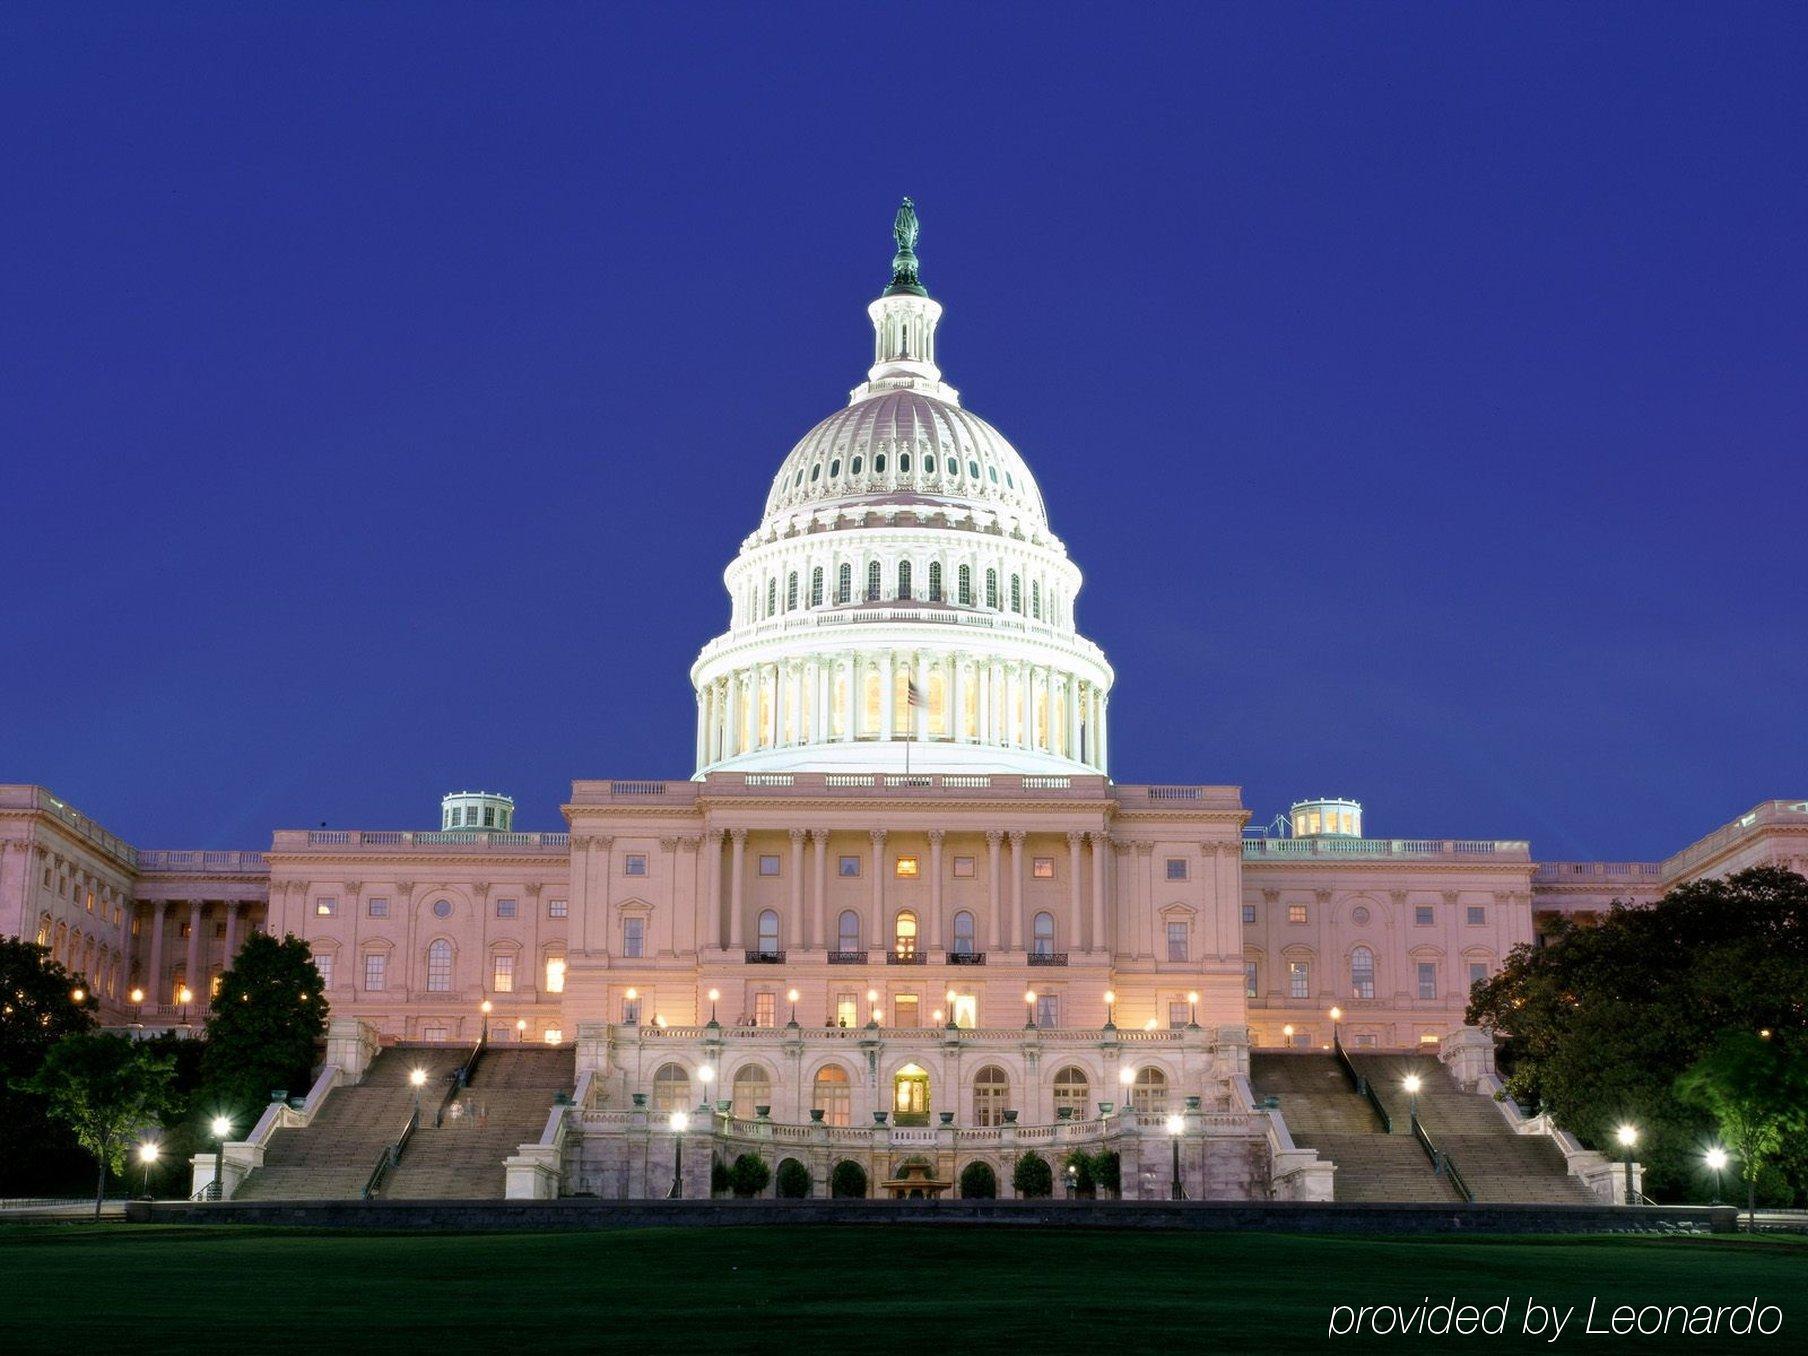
x: 383, y: 388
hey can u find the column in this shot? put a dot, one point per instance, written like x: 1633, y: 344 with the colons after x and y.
x: 819, y: 840
x: 957, y: 722
x: 1071, y: 691
x: 738, y: 860
x: 813, y: 670
x: 878, y: 923
x: 1049, y: 742
x: 154, y: 990
x: 232, y: 931
x: 1104, y: 738
x: 997, y: 909
x: 712, y: 887
x: 1020, y: 924
x: 888, y: 695
x: 197, y: 910
x: 1077, y: 916
x: 702, y: 726
x: 731, y: 743
x: 795, y: 931
x: 936, y: 938
x: 1099, y: 842
x: 780, y: 681
x: 850, y: 672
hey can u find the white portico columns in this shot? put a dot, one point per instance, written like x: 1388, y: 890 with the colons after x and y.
x: 1020, y: 924
x: 736, y: 886
x: 819, y: 842
x: 153, y: 984
x: 878, y: 922
x: 232, y: 931
x: 191, y: 976
x: 795, y: 928
x: 1099, y: 842
x: 1077, y: 918
x: 936, y: 940
x: 712, y: 885
x: 997, y: 909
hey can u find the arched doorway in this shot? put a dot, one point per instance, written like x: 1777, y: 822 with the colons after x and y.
x: 910, y: 1096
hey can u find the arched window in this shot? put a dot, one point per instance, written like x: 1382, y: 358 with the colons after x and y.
x: 964, y: 581
x: 752, y: 1090
x: 1071, y: 1090
x: 935, y: 581
x: 904, y: 579
x: 879, y: 464
x: 1362, y: 973
x: 1017, y: 594
x: 771, y: 596
x: 832, y: 1096
x: 854, y: 467
x: 816, y: 587
x: 963, y: 933
x: 991, y: 1090
x: 835, y: 467
x: 815, y: 473
x: 844, y: 584
x: 1042, y: 940
x: 904, y: 937
x: 768, y: 941
x: 903, y: 463
x: 791, y: 592
x: 1036, y: 599
x: 671, y: 1088
x: 992, y: 589
x: 1150, y: 1091
x: 439, y: 966
x: 847, y: 931
x: 872, y: 582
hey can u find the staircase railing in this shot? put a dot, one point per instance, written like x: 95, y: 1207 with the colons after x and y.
x: 1359, y: 1084
x: 1441, y: 1162
x: 390, y: 1155
x: 461, y: 1076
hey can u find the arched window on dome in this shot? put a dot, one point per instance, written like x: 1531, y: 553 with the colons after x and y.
x: 791, y: 592
x: 903, y: 463
x: 904, y: 579
x: 964, y: 582
x: 772, y: 595
x: 835, y: 468
x: 872, y: 582
x: 854, y: 467
x: 972, y: 470
x: 992, y: 589
x: 1362, y: 973
x: 935, y: 581
x: 816, y: 587
x: 879, y: 464
x: 1036, y: 599
x: 1017, y: 594
x: 991, y: 471
x: 844, y: 584
x: 816, y: 473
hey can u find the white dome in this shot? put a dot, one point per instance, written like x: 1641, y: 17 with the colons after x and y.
x: 903, y: 446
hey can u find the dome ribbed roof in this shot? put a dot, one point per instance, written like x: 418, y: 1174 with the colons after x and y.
x: 906, y: 446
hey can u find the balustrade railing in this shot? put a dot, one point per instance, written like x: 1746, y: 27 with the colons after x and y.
x: 1048, y: 958
x: 1291, y: 849
x: 765, y: 958
x: 1442, y: 1163
x: 391, y: 1154
x: 906, y: 958
x: 966, y: 958
x: 1358, y: 1083
x: 847, y: 958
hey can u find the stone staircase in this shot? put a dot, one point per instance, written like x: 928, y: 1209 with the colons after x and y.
x: 505, y: 1106
x: 331, y: 1158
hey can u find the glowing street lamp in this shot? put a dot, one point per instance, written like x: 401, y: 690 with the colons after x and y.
x: 706, y: 1075
x: 1110, y: 1010
x: 872, y: 1001
x: 791, y: 996
x: 951, y: 996
x: 1287, y: 1033
x: 1192, y: 1003
x: 417, y: 1079
x: 221, y: 1128
x: 78, y: 995
x: 137, y: 996
x: 714, y: 994
x: 185, y: 996
x: 1412, y: 1085
x: 1627, y: 1135
x: 1336, y: 1015
x: 679, y: 1123
x: 147, y: 1155
x: 1125, y: 1077
x: 1176, y: 1124
x: 1029, y: 1003
x: 1716, y: 1161
x: 520, y: 1028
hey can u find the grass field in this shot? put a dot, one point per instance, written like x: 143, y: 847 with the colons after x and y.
x: 72, y: 1288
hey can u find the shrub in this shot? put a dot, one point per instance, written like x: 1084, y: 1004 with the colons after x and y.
x: 749, y: 1175
x: 719, y: 1178
x: 793, y: 1180
x: 1085, y: 1174
x: 1032, y: 1177
x: 978, y: 1182
x: 1107, y: 1172
x: 848, y: 1179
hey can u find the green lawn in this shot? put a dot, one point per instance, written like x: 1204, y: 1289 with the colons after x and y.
x: 73, y: 1288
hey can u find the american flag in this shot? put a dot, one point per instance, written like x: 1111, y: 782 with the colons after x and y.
x: 913, y: 695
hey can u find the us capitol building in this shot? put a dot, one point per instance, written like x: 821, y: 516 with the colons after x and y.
x: 899, y: 913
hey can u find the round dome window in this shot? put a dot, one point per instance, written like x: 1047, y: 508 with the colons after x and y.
x: 442, y: 908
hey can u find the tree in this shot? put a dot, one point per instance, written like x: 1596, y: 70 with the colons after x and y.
x: 749, y: 1175
x: 848, y: 1179
x: 1756, y: 1088
x: 1082, y: 1172
x: 38, y: 1010
x: 978, y: 1182
x: 793, y: 1180
x: 104, y: 1088
x: 265, y: 1025
x: 1600, y: 1021
x: 1032, y: 1177
x: 1108, y: 1171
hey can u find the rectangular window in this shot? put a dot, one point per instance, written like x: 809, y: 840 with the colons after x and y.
x: 848, y: 866
x: 555, y: 974
x: 1048, y: 1009
x: 557, y: 908
x: 1177, y: 941
x: 1249, y: 914
x: 1296, y: 913
x: 324, y: 964
x: 1428, y: 979
x: 1478, y: 915
x: 1177, y: 1013
x: 1251, y: 980
x: 1299, y: 979
x: 507, y: 908
x: 1177, y: 868
x: 433, y: 1032
x: 634, y: 864
x: 1042, y: 868
x: 906, y: 868
x: 769, y: 863
x: 847, y: 1009
x: 963, y: 868
x: 904, y: 1010
x: 379, y: 908
x: 634, y: 937
x: 1423, y: 915
x: 323, y: 908
x: 1478, y: 973
x: 1366, y: 1042
x: 966, y: 1011
x: 764, y: 1006
x: 376, y: 971
x: 630, y: 1012
x: 502, y: 974
x: 1302, y: 1040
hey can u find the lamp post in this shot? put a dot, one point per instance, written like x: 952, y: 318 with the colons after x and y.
x: 1336, y: 1015
x: 791, y: 996
x: 147, y: 1155
x: 137, y: 997
x: 521, y: 1029
x: 417, y: 1079
x: 1176, y: 1124
x: 78, y: 995
x: 679, y: 1123
x: 1110, y: 1010
x: 952, y: 1024
x: 872, y: 1002
x: 714, y: 994
x: 1287, y: 1034
x: 185, y: 996
x: 1716, y: 1160
x: 1073, y: 1181
x: 706, y: 1075
x: 1029, y: 1005
x: 1411, y: 1084
x: 1192, y: 1005
x: 1628, y: 1137
x: 221, y: 1128
x: 632, y: 996
x: 1125, y: 1077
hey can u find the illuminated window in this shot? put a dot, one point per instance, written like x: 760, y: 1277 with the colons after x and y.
x: 847, y: 1009
x: 904, y: 1010
x: 555, y: 974
x: 634, y: 937
x: 439, y: 966
x: 765, y: 1005
x: 1362, y: 973
x: 768, y: 863
x: 1296, y: 913
x: 376, y: 971
x: 1251, y: 979
x: 323, y: 908
x: 1072, y: 1089
x: 752, y: 1089
x: 630, y: 1011
x: 671, y: 1088
x: 991, y: 1090
x: 1042, y: 868
x: 906, y: 868
x: 963, y: 868
x: 1149, y: 1093
x: 1299, y: 979
x: 502, y: 974
x: 634, y: 864
x: 904, y: 940
x: 557, y: 908
x: 832, y: 1096
x: 966, y: 1011
x: 553, y: 1035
